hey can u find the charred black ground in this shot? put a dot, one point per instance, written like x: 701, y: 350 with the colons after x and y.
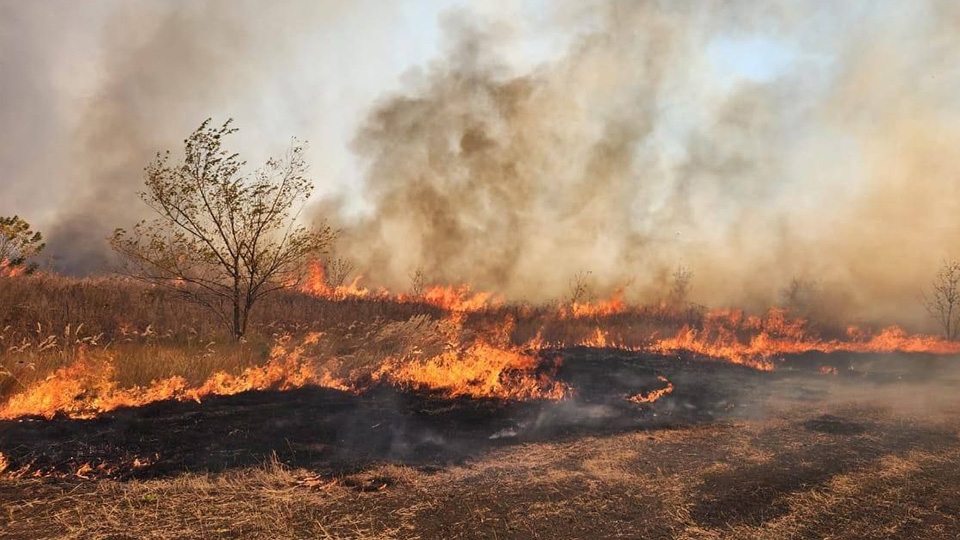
x: 334, y: 432
x: 868, y: 452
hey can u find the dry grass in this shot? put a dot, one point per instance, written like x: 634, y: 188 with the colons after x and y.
x: 770, y: 476
x: 649, y: 485
x: 146, y: 334
x: 48, y: 322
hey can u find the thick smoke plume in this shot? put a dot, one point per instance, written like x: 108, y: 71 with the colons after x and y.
x: 95, y: 92
x: 752, y: 142
x: 634, y: 152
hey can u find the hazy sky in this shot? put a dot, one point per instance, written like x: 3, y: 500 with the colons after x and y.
x: 324, y: 72
x: 332, y: 65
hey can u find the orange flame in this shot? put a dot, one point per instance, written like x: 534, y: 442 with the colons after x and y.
x: 480, y: 369
x: 86, y: 388
x: 460, y: 298
x: 486, y: 367
x: 757, y: 341
x: 6, y: 270
x: 611, y: 306
x: 597, y: 340
x: 653, y: 395
x: 316, y: 284
x: 451, y: 298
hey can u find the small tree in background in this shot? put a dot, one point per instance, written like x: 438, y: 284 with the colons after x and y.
x: 222, y: 238
x: 338, y: 271
x: 943, y: 301
x: 802, y: 297
x: 418, y: 282
x: 580, y: 287
x: 18, y: 245
x: 680, y: 285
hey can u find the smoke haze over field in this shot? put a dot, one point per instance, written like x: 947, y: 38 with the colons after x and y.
x: 513, y: 147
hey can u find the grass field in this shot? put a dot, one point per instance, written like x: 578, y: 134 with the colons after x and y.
x: 830, y: 444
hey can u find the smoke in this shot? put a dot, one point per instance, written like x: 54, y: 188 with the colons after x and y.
x: 165, y: 70
x: 95, y: 93
x: 638, y: 149
x: 750, y: 142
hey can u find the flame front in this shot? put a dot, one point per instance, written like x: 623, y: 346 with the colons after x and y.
x: 757, y: 341
x: 460, y: 298
x: 485, y: 362
x: 583, y: 310
x: 316, y: 285
x: 87, y: 388
x: 478, y: 369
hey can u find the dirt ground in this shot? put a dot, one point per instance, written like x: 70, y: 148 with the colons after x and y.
x: 871, y: 452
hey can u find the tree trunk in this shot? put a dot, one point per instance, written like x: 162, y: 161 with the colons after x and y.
x: 237, y: 320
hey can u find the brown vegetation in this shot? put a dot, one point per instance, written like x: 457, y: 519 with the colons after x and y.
x: 149, y: 333
x: 154, y: 343
x: 19, y: 244
x: 747, y: 454
x: 943, y: 302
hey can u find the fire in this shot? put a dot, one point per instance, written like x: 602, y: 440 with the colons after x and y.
x: 759, y: 341
x: 485, y: 366
x: 480, y: 371
x: 481, y: 368
x: 653, y: 395
x: 895, y: 339
x: 316, y: 284
x: 460, y: 298
x: 598, y: 340
x: 448, y: 361
x: 87, y: 388
x: 724, y: 346
x: 756, y: 341
x: 6, y: 270
x: 582, y: 310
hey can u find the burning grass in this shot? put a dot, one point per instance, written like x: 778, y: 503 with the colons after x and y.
x: 388, y: 418
x: 477, y: 369
x: 653, y: 395
x: 136, y: 345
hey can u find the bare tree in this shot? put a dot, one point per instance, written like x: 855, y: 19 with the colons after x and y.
x: 337, y: 271
x: 943, y: 302
x: 802, y: 296
x: 418, y: 282
x: 18, y: 245
x: 223, y: 238
x: 580, y: 287
x: 680, y: 285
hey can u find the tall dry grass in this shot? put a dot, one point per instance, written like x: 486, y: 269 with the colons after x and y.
x: 147, y: 334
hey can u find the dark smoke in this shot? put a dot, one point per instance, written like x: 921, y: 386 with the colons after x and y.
x: 627, y: 156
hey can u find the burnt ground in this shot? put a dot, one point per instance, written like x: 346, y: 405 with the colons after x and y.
x: 871, y: 452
